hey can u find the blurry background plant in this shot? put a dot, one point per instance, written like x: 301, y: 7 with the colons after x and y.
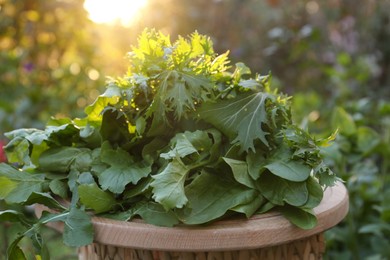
x: 333, y: 56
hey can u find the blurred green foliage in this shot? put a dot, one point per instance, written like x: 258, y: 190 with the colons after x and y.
x: 333, y: 56
x: 47, y: 61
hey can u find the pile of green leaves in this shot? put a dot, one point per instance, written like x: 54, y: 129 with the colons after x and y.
x: 183, y: 137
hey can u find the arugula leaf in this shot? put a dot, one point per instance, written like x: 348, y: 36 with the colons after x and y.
x: 242, y: 118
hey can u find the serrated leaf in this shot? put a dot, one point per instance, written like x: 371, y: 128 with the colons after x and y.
x: 290, y: 170
x: 78, y: 229
x: 95, y: 198
x: 188, y: 143
x: 180, y: 91
x: 240, y: 118
x: 168, y: 186
x: 122, y: 171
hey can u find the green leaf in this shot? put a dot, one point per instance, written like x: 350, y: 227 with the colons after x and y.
x: 251, y: 207
x: 208, y: 202
x: 141, y: 188
x: 13, y: 216
x: 290, y: 170
x: 240, y: 171
x: 27, y: 183
x: 367, y: 139
x: 95, y: 198
x: 78, y: 229
x: 256, y: 163
x: 59, y: 188
x: 14, y: 252
x: 44, y: 199
x: 304, y: 219
x: 94, y: 111
x: 241, y: 118
x: 122, y: 171
x: 343, y: 121
x: 278, y: 190
x: 316, y: 193
x: 7, y: 186
x: 182, y: 147
x: 59, y: 159
x: 168, y: 186
x: 155, y: 214
x: 115, y: 127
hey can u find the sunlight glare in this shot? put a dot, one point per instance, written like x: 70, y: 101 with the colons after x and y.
x: 114, y: 11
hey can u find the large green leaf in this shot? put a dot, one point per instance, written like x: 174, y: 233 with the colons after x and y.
x: 240, y: 171
x: 13, y: 216
x: 60, y: 159
x: 111, y: 96
x: 256, y: 162
x: 95, y: 198
x: 78, y: 229
x: 302, y: 218
x: 122, y: 171
x: 290, y: 170
x: 44, y: 199
x: 168, y: 186
x: 278, y: 190
x: 208, y: 202
x: 155, y: 214
x: 316, y: 193
x: 19, y: 185
x: 241, y: 118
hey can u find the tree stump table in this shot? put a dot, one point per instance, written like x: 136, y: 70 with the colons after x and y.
x: 265, y: 236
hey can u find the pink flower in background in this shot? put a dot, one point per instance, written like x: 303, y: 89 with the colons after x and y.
x: 3, y: 158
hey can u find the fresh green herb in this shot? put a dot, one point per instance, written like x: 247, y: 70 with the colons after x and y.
x: 182, y: 137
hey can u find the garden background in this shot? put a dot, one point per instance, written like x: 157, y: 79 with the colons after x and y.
x: 332, y: 56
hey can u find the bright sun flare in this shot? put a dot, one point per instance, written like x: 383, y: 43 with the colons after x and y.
x: 113, y: 11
